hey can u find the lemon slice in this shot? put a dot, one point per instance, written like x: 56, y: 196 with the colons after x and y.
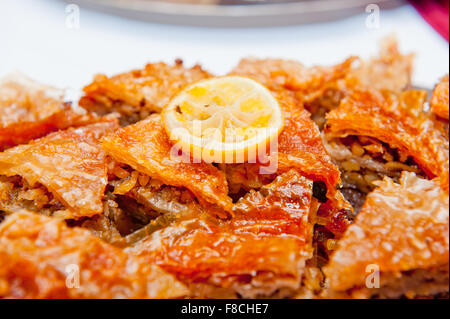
x: 228, y: 119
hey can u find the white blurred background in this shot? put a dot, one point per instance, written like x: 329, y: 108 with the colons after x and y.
x: 36, y: 39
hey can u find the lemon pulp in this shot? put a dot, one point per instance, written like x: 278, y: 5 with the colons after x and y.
x: 228, y: 119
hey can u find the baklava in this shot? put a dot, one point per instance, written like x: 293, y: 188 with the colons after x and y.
x: 398, y: 245
x: 138, y: 93
x: 29, y: 110
x: 359, y: 177
x: 41, y: 257
x: 374, y: 134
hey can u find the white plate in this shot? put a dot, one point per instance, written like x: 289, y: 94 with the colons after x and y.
x: 246, y: 13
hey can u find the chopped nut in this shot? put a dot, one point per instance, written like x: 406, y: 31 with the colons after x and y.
x: 357, y: 149
x: 143, y: 179
x: 350, y: 165
x: 127, y: 185
x: 120, y: 172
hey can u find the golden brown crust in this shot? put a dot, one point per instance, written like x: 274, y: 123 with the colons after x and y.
x: 307, y: 83
x: 300, y: 146
x: 261, y: 249
x: 397, y: 120
x: 40, y: 257
x: 146, y: 147
x: 70, y: 164
x: 439, y: 101
x: 29, y: 110
x: 402, y: 227
x: 141, y: 91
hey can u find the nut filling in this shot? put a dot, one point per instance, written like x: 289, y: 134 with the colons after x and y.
x: 134, y: 205
x: 363, y: 160
x: 17, y: 194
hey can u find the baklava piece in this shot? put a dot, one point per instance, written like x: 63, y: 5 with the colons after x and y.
x: 40, y: 257
x: 398, y: 245
x: 372, y: 135
x: 29, y: 110
x: 146, y: 148
x: 260, y: 252
x: 63, y: 174
x: 138, y: 93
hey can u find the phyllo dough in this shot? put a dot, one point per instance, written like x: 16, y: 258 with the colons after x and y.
x: 403, y: 233
x: 300, y: 146
x: 373, y: 134
x: 64, y: 173
x: 138, y: 93
x: 145, y: 146
x: 29, y: 110
x: 389, y: 71
x: 261, y: 251
x: 40, y: 257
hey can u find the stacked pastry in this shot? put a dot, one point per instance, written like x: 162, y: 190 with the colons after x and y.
x: 357, y: 206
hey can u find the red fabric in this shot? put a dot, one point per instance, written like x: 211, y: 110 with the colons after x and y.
x: 435, y: 12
